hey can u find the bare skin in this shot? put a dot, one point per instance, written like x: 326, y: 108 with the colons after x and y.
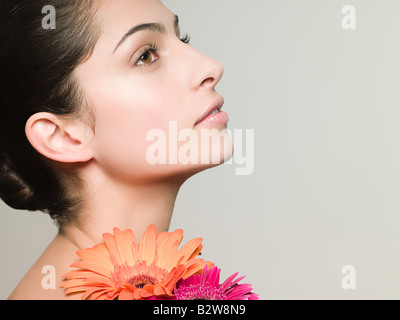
x: 131, y: 92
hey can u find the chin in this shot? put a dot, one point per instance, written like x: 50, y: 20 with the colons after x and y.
x: 220, y: 150
x: 225, y: 154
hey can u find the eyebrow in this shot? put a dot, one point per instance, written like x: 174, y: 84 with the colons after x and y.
x: 157, y: 27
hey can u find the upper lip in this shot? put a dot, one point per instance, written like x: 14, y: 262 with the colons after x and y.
x: 216, y: 104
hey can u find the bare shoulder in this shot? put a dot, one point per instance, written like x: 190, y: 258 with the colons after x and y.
x: 43, y: 280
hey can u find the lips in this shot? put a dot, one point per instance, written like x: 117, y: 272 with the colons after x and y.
x: 213, y: 114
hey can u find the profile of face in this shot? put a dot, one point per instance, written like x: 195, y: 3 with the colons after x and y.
x: 142, y: 76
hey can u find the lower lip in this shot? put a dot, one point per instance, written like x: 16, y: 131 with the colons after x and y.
x: 220, y: 118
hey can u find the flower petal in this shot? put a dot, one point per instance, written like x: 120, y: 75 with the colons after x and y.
x: 167, y: 249
x: 124, y: 241
x: 126, y: 295
x: 228, y: 282
x: 146, y: 293
x: 98, y: 254
x: 190, y: 249
x: 109, y: 240
x: 195, y: 266
x: 173, y: 277
x: 147, y: 249
x: 93, y: 266
x: 237, y: 291
x: 89, y: 292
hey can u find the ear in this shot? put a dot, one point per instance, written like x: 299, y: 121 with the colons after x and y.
x: 59, y: 139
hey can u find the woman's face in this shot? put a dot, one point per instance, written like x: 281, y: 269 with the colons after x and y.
x: 142, y: 82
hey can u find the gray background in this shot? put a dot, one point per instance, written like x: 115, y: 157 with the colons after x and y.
x: 324, y: 104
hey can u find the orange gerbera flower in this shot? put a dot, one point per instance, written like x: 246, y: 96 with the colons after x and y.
x: 121, y: 268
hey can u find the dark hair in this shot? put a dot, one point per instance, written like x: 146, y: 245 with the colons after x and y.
x: 37, y: 75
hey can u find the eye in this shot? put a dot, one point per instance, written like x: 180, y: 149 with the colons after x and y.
x: 148, y: 55
x: 146, y: 58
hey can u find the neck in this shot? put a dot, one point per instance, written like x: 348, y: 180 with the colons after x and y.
x: 112, y: 204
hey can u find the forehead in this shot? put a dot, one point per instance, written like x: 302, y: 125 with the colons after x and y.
x: 117, y: 17
x: 117, y: 14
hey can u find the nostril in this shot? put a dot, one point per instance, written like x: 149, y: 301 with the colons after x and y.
x: 207, y: 82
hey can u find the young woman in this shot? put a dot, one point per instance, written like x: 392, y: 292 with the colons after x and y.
x: 78, y: 104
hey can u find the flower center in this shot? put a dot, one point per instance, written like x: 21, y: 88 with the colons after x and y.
x: 199, y: 292
x: 140, y: 280
x: 138, y: 275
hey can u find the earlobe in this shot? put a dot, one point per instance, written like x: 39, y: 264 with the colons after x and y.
x: 58, y: 139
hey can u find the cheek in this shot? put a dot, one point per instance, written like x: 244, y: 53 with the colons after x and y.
x: 122, y: 130
x: 119, y: 142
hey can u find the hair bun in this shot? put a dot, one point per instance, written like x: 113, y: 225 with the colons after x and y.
x: 13, y: 189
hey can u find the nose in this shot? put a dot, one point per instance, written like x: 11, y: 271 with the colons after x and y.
x: 213, y: 73
x: 205, y: 71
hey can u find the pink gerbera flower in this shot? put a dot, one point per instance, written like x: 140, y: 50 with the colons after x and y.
x: 207, y: 287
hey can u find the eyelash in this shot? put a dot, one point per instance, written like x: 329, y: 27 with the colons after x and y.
x: 186, y: 39
x: 155, y: 49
